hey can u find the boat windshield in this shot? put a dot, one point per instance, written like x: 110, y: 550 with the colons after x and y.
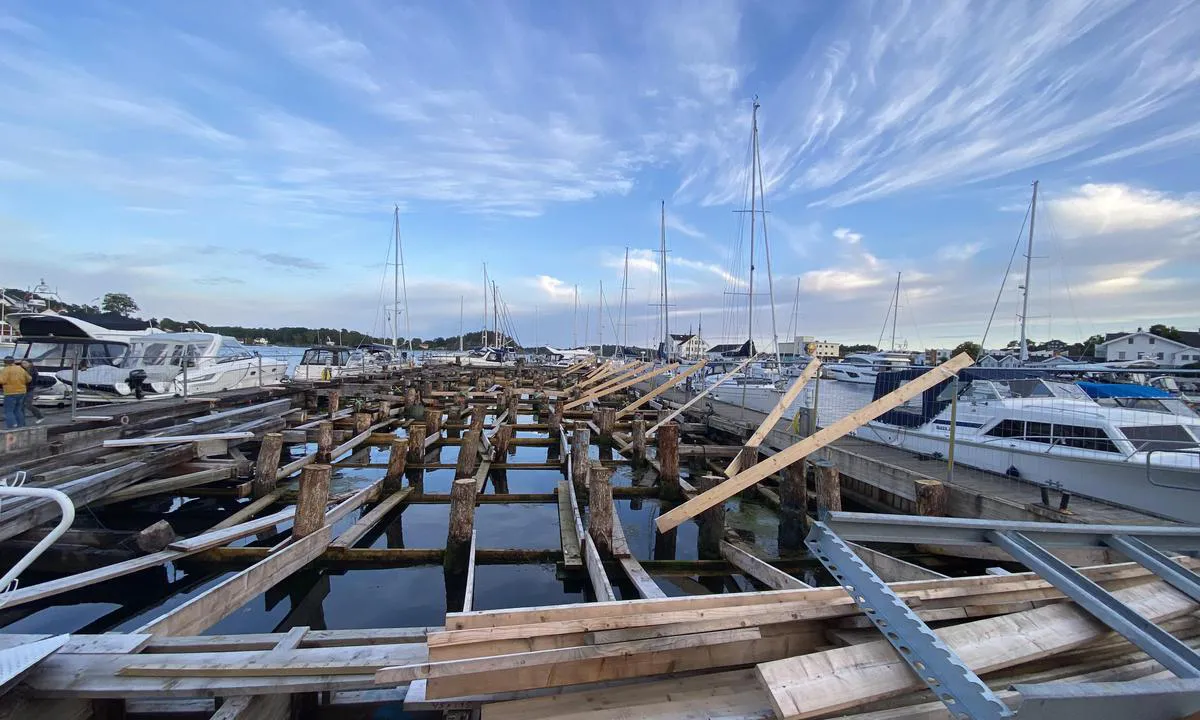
x: 231, y: 350
x: 54, y: 356
x: 986, y: 390
x: 325, y: 356
x: 148, y: 354
x: 1161, y: 438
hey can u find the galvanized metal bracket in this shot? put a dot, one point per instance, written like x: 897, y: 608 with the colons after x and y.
x: 938, y: 666
x: 18, y: 660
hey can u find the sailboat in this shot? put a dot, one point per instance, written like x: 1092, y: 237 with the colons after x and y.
x: 863, y: 368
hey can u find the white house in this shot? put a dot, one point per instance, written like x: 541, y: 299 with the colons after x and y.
x: 808, y: 345
x: 1145, y: 346
x: 688, y: 346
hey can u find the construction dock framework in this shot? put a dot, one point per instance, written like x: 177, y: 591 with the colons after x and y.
x: 969, y: 596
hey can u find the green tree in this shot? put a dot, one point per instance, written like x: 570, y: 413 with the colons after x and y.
x: 1165, y: 331
x: 971, y: 348
x: 119, y: 303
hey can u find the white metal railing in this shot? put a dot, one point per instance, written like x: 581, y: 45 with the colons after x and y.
x: 16, y: 488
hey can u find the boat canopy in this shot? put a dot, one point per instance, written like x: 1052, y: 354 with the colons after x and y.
x: 928, y: 404
x: 1121, y: 390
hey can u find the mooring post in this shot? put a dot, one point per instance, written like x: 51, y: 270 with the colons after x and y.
x: 462, y: 521
x: 932, y: 498
x: 501, y: 441
x: 453, y: 417
x: 410, y: 398
x: 792, y: 517
x: 324, y: 441
x: 362, y: 422
x: 607, y: 421
x: 711, y: 522
x: 600, y: 507
x: 468, y: 453
x: 311, y: 502
x: 433, y: 421
x: 639, y: 440
x: 395, y: 470
x: 267, y: 464
x: 668, y: 460
x: 556, y: 416
x: 416, y: 443
x: 384, y: 411
x: 335, y: 402
x: 829, y: 487
x: 426, y: 390
x: 580, y: 441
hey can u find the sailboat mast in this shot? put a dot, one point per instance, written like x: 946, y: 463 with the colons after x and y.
x: 895, y: 311
x: 753, y: 208
x: 396, y: 278
x: 1028, y: 268
x: 762, y: 196
x: 462, y: 305
x: 662, y: 248
x: 625, y: 304
x: 575, y: 321
x: 496, y: 317
x: 600, y: 320
x: 483, y: 323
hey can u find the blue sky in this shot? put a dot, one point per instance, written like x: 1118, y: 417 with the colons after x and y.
x: 237, y: 162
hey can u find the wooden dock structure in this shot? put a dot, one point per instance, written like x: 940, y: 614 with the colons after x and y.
x: 304, y: 479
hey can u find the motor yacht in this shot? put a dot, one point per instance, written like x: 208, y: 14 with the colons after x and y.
x: 1030, y: 427
x: 862, y: 368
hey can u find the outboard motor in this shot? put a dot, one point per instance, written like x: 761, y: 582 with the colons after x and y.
x: 135, y: 380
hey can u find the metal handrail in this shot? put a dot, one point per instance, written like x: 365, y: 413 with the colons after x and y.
x: 8, y: 582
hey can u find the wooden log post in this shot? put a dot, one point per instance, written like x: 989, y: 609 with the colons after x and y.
x: 433, y: 422
x: 501, y: 441
x: 392, y: 480
x: 426, y: 390
x: 335, y: 401
x: 416, y: 443
x: 580, y: 441
x: 468, y: 454
x: 267, y: 464
x: 410, y: 398
x: 668, y: 460
x: 792, y: 507
x: 932, y: 498
x: 829, y: 487
x: 362, y: 422
x: 312, y: 500
x: 462, y: 522
x: 384, y: 411
x: 607, y: 420
x: 324, y: 441
x: 639, y: 440
x: 454, y: 417
x: 556, y: 416
x: 711, y: 522
x: 600, y: 507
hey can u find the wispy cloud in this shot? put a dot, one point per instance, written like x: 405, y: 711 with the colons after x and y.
x: 679, y: 225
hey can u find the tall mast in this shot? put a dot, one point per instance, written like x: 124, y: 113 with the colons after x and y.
x: 662, y: 248
x: 895, y: 311
x: 462, y: 304
x: 1028, y: 268
x: 625, y: 304
x: 396, y: 278
x: 762, y: 196
x: 496, y: 317
x: 483, y: 325
x: 575, y: 321
x: 753, y: 208
x: 600, y: 319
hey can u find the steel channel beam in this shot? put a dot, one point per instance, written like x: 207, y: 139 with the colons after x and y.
x: 1173, y: 654
x: 955, y: 684
x: 872, y: 527
x: 1177, y: 576
x: 1141, y: 699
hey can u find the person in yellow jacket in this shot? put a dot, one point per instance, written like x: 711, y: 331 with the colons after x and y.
x: 15, y: 382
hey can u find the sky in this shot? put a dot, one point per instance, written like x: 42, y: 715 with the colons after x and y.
x: 239, y: 162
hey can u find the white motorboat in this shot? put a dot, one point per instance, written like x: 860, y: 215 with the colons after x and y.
x: 1026, y: 426
x: 327, y: 362
x: 487, y: 357
x: 861, y: 368
x: 168, y: 364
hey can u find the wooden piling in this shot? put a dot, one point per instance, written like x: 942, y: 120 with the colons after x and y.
x: 416, y: 443
x: 501, y: 441
x: 462, y: 522
x: 932, y: 498
x: 711, y: 522
x: 324, y: 441
x: 384, y: 411
x: 312, y: 500
x: 668, y: 459
x: 600, y: 507
x: 362, y: 422
x: 607, y: 420
x: 792, y: 505
x: 335, y: 401
x: 468, y: 453
x: 556, y: 416
x: 829, y: 487
x: 395, y: 471
x: 433, y: 421
x: 453, y: 417
x: 639, y: 440
x: 267, y: 464
x: 580, y: 441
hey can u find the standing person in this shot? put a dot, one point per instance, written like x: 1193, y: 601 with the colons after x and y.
x: 14, y: 381
x: 31, y: 393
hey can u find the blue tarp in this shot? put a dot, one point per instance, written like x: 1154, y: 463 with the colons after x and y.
x: 1121, y: 390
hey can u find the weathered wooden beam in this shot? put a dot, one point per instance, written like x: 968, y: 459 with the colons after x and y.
x: 703, y: 393
x: 608, y: 389
x: 633, y: 406
x: 768, y: 424
x: 760, y: 570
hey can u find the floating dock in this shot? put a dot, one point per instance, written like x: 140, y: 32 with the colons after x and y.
x: 749, y: 592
